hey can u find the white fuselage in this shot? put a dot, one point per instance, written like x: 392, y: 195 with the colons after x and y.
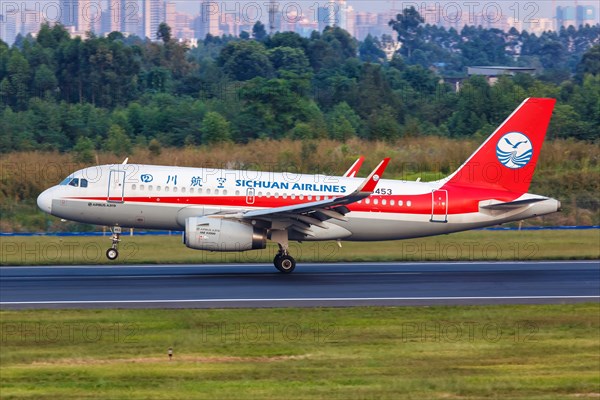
x: 162, y: 197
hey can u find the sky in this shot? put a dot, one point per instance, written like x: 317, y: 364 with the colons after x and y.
x: 523, y: 9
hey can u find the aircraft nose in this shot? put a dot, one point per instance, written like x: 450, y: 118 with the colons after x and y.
x: 44, y: 201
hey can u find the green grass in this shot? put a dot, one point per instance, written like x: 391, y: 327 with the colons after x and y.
x: 483, y: 352
x: 473, y: 245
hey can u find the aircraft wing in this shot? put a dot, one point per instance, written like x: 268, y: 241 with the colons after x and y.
x: 301, y: 216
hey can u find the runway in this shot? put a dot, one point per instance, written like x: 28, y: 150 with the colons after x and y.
x: 311, y: 285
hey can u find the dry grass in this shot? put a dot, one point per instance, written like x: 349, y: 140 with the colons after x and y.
x: 568, y: 170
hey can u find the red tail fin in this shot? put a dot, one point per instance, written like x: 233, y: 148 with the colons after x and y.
x: 507, y: 159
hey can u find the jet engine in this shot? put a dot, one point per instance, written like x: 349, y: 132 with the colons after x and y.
x: 218, y: 234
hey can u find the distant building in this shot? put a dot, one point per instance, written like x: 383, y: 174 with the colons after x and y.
x: 208, y: 21
x: 586, y: 15
x: 8, y: 28
x: 492, y: 73
x: 152, y: 16
x: 575, y: 16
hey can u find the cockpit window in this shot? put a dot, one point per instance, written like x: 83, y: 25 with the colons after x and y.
x: 75, y: 182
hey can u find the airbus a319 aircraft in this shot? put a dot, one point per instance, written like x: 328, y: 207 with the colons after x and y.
x: 229, y: 210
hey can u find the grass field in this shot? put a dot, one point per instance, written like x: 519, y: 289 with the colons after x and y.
x: 474, y: 245
x: 491, y: 352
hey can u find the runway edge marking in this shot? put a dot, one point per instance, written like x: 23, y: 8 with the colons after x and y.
x: 333, y: 299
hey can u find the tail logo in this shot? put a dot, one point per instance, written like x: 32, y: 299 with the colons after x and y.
x: 514, y: 150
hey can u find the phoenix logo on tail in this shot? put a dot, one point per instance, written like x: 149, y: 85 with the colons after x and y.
x: 515, y: 155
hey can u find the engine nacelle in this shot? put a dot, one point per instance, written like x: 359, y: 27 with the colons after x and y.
x: 218, y: 234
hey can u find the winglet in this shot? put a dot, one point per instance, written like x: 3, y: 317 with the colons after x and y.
x: 369, y: 185
x: 351, y: 173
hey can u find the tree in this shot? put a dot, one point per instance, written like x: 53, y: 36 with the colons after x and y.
x: 343, y: 122
x: 215, y: 128
x: 258, y: 31
x: 382, y: 124
x: 590, y: 63
x: 83, y: 151
x: 164, y: 33
x: 117, y: 141
x: 44, y: 81
x: 406, y: 25
x: 245, y: 60
x: 17, y: 85
x: 370, y: 50
x: 289, y: 59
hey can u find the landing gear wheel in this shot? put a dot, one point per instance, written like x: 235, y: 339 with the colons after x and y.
x: 112, y: 254
x: 285, y: 264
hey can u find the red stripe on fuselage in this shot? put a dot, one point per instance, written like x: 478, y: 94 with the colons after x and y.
x: 461, y: 200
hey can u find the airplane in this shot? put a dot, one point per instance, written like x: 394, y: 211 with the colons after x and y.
x: 238, y: 210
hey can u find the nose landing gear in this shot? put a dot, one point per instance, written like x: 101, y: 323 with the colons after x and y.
x: 113, y: 253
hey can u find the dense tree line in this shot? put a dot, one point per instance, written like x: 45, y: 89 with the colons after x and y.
x: 555, y: 54
x: 113, y: 92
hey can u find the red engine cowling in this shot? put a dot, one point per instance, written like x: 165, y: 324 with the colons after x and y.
x: 218, y: 234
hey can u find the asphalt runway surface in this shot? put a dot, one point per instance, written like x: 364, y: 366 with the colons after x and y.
x: 311, y: 285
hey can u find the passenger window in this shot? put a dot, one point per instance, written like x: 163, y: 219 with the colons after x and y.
x: 182, y: 190
x: 133, y: 187
x: 191, y: 190
x: 141, y: 187
x: 83, y: 183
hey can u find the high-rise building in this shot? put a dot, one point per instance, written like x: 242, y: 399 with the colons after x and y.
x: 152, y: 16
x: 30, y: 22
x: 586, y: 15
x: 130, y: 17
x: 80, y: 16
x: 208, y: 21
x: 170, y: 14
x: 565, y: 16
x: 8, y: 28
x: 334, y: 13
x: 112, y: 17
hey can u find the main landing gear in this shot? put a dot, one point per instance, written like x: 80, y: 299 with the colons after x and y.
x: 113, y: 253
x: 283, y: 261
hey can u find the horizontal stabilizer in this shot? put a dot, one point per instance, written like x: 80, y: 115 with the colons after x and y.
x: 511, y: 205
